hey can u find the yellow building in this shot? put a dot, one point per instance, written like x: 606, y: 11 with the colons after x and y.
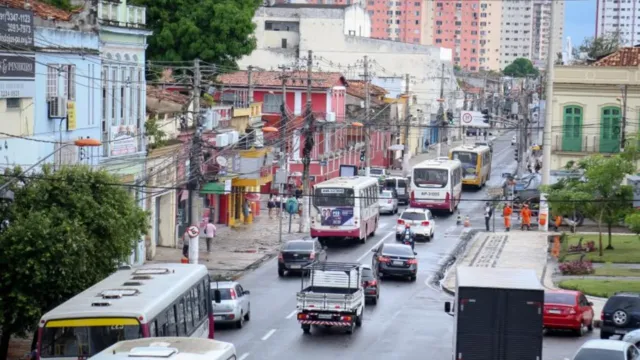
x: 255, y: 173
x: 588, y: 107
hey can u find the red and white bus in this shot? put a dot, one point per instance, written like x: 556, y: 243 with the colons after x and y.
x: 436, y: 185
x: 345, y: 207
x: 149, y: 301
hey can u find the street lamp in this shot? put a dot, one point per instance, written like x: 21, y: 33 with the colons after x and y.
x: 88, y: 142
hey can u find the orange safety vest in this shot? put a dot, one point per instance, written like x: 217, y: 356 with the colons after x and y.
x: 526, y: 216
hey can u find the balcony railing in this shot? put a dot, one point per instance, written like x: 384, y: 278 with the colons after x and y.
x: 589, y: 144
x: 116, y: 14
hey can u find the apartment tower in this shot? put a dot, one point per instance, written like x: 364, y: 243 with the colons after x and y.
x: 619, y: 15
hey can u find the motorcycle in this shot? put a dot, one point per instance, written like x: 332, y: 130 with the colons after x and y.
x: 408, y: 240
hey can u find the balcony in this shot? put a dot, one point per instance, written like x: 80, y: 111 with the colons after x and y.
x: 115, y: 13
x: 590, y: 144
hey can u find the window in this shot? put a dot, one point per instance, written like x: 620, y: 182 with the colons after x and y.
x: 123, y: 96
x: 105, y: 96
x: 153, y: 331
x: 284, y: 43
x: 610, y: 130
x: 139, y: 101
x: 52, y: 80
x: 114, y: 96
x: 132, y: 106
x: 69, y: 75
x: 195, y: 294
x: 13, y: 103
x: 572, y: 128
x: 171, y: 322
x: 180, y: 311
x: 189, y: 311
x: 430, y: 178
x: 272, y: 103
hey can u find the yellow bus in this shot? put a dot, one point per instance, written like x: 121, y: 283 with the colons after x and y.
x: 476, y: 163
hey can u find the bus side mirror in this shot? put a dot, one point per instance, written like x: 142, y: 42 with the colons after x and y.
x: 217, y: 297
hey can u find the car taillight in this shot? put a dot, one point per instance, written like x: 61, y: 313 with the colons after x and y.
x: 280, y: 257
x: 425, y: 223
x: 312, y: 256
x: 389, y: 201
x: 400, y: 222
x: 412, y: 261
x: 413, y: 195
x: 383, y: 259
x: 233, y: 294
x: 303, y: 316
x: 372, y: 283
x: 601, y: 315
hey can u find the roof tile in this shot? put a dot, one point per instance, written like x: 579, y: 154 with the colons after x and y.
x: 160, y: 94
x: 272, y: 78
x: 40, y: 9
x: 629, y: 56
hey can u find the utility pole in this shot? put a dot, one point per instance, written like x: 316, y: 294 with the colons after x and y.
x: 623, y: 140
x: 284, y: 161
x: 548, y: 119
x: 407, y: 122
x: 306, y: 151
x: 367, y: 110
x: 440, y: 116
x: 194, y: 164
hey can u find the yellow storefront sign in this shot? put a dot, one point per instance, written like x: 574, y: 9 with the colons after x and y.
x: 91, y: 322
x: 72, y: 122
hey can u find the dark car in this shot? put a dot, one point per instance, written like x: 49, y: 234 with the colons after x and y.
x: 395, y: 260
x: 371, y: 284
x: 620, y: 315
x: 296, y: 254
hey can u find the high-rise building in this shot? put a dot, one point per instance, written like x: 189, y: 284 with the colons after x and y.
x: 619, y: 16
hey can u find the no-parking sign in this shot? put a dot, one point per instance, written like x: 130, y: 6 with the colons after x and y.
x: 193, y: 231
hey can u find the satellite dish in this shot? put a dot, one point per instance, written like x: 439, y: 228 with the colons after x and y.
x: 221, y: 161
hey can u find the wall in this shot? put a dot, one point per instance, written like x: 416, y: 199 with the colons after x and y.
x: 357, y: 21
x: 17, y: 121
x: 163, y: 224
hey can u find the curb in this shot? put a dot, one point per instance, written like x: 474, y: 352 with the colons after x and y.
x: 238, y: 273
x: 452, y: 257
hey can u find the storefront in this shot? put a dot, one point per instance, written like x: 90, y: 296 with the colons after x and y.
x: 217, y: 199
x: 255, y: 173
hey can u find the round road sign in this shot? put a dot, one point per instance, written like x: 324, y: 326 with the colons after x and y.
x: 193, y: 231
x: 467, y: 117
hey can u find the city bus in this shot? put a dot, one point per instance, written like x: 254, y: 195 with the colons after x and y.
x: 476, y: 163
x: 346, y: 208
x: 169, y: 348
x: 436, y: 185
x: 150, y: 301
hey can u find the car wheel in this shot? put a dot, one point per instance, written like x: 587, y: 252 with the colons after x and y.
x: 374, y: 301
x: 306, y: 328
x: 359, y: 321
x: 620, y: 318
x: 605, y: 335
x: 590, y: 326
x: 280, y: 272
x: 247, y: 316
x: 240, y: 322
x: 413, y: 278
x: 581, y: 330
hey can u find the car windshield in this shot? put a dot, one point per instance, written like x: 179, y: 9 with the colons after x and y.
x: 225, y: 294
x: 558, y: 298
x: 397, y: 251
x: 84, y: 341
x: 599, y: 354
x: 413, y: 216
x: 430, y: 178
x: 386, y: 195
x: 298, y: 246
x: 333, y: 197
x: 367, y: 274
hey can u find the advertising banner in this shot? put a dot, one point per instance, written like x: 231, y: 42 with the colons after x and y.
x: 337, y: 216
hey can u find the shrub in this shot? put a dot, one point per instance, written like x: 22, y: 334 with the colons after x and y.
x: 577, y: 267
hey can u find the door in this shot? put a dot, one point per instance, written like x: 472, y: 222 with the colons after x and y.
x: 244, y: 299
x: 585, y: 309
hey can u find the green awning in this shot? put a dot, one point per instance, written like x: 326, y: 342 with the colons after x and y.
x: 213, y: 188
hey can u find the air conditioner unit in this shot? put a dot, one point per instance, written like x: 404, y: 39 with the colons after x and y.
x: 331, y: 117
x: 222, y: 140
x: 215, y: 119
x: 234, y: 137
x: 207, y: 119
x: 57, y: 107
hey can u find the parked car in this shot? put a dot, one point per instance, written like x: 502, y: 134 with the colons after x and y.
x: 488, y: 144
x: 620, y: 315
x: 607, y: 350
x: 370, y: 284
x: 377, y: 172
x: 235, y: 303
x: 421, y: 221
x: 395, y: 260
x: 296, y: 254
x: 567, y: 310
x: 388, y: 201
x: 633, y: 337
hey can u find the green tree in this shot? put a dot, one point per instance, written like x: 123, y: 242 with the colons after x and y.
x: 632, y: 220
x: 600, y: 46
x: 63, y: 232
x: 567, y: 197
x: 520, y: 67
x: 216, y: 31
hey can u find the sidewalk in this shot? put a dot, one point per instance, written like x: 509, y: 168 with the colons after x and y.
x: 238, y: 249
x: 515, y: 249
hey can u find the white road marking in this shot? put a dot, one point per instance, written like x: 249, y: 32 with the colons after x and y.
x: 268, y: 335
x: 382, y: 226
x: 292, y: 314
x: 375, y: 246
x: 244, y: 356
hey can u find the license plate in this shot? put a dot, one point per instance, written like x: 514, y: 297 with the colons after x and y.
x: 334, y: 227
x: 398, y: 263
x: 218, y: 318
x: 555, y: 312
x: 620, y: 331
x: 325, y: 316
x: 296, y: 266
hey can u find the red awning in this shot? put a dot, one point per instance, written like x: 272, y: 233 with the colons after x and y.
x: 252, y: 197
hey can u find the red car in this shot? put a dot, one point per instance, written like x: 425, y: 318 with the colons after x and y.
x: 567, y: 310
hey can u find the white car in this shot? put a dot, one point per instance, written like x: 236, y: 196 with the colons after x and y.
x: 235, y: 303
x: 388, y: 202
x: 607, y: 349
x: 632, y: 337
x: 421, y: 221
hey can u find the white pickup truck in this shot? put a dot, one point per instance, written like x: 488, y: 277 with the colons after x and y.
x: 332, y: 296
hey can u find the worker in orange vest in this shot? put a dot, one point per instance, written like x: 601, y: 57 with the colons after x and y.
x: 558, y: 222
x: 526, y: 217
x: 506, y: 213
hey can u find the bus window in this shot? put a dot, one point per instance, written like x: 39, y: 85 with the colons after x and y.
x: 337, y: 197
x: 84, y: 341
x: 430, y: 178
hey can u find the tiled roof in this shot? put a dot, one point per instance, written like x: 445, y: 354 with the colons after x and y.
x: 324, y: 80
x: 356, y: 88
x: 164, y: 95
x: 629, y: 56
x: 40, y: 9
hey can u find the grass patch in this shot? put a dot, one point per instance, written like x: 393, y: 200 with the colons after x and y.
x: 600, y: 288
x: 612, y: 271
x: 626, y: 249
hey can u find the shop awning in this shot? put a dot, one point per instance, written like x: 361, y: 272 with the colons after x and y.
x: 213, y: 188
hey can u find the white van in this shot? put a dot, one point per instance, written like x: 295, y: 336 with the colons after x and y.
x: 169, y: 348
x: 401, y: 186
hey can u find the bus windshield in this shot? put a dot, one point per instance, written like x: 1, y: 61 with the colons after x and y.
x: 430, y: 178
x: 84, y: 341
x: 468, y: 159
x: 334, y: 197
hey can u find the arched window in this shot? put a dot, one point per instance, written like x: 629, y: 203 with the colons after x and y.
x: 127, y: 57
x: 610, y: 119
x: 572, y: 128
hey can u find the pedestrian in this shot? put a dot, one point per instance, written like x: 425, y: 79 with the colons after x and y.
x: 506, y: 213
x: 185, y: 245
x: 246, y: 210
x: 526, y: 217
x: 209, y: 233
x: 299, y: 192
x: 488, y: 212
x: 271, y: 204
x: 558, y: 222
x: 278, y: 203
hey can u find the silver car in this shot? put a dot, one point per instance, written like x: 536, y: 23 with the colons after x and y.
x: 235, y: 303
x: 632, y: 337
x: 388, y: 202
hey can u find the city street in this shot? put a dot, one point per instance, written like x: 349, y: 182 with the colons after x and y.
x: 407, y: 321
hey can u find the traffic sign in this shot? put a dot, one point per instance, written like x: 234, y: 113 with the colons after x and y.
x: 467, y: 117
x: 193, y: 231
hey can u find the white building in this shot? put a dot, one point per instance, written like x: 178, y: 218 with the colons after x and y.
x: 618, y: 15
x: 525, y: 30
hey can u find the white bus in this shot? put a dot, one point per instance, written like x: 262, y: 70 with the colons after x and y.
x: 436, y: 185
x: 345, y: 207
x: 149, y: 301
x: 476, y: 163
x: 169, y: 348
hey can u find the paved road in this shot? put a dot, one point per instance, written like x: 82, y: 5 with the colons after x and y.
x: 408, y: 320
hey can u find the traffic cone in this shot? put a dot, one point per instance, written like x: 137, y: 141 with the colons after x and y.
x: 467, y: 222
x: 459, y: 219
